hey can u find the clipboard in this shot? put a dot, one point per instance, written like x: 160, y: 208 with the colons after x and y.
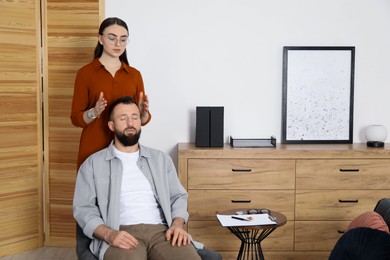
x: 251, y: 220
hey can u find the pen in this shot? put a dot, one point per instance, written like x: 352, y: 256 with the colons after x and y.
x: 272, y: 218
x: 243, y: 219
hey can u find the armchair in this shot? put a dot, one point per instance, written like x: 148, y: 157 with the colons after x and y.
x: 383, y: 209
x: 369, y: 241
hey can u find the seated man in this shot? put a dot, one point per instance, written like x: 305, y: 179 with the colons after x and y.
x: 128, y: 198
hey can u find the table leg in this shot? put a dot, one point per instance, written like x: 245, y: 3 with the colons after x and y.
x: 250, y: 248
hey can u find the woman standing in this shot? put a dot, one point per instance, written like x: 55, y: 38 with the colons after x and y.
x: 100, y: 82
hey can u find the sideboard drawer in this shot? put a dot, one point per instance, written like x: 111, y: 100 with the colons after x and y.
x: 204, y: 204
x: 335, y: 204
x: 343, y: 174
x: 241, y: 174
x: 318, y: 235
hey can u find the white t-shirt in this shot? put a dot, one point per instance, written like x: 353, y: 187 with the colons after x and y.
x: 137, y: 203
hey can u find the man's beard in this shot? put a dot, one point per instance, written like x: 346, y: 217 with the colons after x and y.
x: 128, y: 140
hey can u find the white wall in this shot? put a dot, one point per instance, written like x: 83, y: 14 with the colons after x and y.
x: 229, y: 53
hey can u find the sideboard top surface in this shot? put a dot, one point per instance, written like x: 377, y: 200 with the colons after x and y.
x: 287, y: 151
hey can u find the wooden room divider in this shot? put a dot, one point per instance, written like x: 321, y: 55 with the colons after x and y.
x: 70, y: 35
x: 20, y: 127
x: 42, y: 44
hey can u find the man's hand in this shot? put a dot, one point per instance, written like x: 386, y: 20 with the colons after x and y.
x: 176, y: 233
x: 116, y: 238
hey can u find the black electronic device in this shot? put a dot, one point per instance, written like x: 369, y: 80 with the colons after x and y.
x: 209, y: 126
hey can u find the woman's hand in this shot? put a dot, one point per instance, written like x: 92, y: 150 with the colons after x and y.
x: 100, y: 105
x: 143, y: 104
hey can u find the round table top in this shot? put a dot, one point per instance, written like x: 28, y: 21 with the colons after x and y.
x: 280, y: 218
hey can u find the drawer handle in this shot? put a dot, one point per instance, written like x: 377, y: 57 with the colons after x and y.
x: 241, y: 170
x: 241, y: 201
x: 348, y: 201
x: 349, y: 170
x: 341, y: 231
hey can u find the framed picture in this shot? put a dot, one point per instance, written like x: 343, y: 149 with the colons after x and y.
x: 318, y: 85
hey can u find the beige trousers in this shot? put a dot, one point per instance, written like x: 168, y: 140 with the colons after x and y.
x: 152, y: 245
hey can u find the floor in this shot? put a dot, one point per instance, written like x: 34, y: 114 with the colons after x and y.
x: 44, y: 253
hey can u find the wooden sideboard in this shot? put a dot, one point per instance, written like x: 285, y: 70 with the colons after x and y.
x: 320, y: 189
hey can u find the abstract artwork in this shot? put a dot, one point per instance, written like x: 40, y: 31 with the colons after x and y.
x: 318, y: 94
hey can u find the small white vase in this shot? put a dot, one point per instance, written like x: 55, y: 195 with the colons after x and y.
x: 375, y: 135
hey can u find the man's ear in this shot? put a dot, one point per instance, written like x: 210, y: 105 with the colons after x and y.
x: 111, y: 125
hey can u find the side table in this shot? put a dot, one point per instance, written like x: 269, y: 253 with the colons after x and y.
x: 251, y: 236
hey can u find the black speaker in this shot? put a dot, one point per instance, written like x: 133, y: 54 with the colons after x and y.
x: 209, y: 127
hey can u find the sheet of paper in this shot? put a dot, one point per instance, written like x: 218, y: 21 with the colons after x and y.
x: 257, y: 220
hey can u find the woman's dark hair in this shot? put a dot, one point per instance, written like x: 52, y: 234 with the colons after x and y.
x: 108, y: 22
